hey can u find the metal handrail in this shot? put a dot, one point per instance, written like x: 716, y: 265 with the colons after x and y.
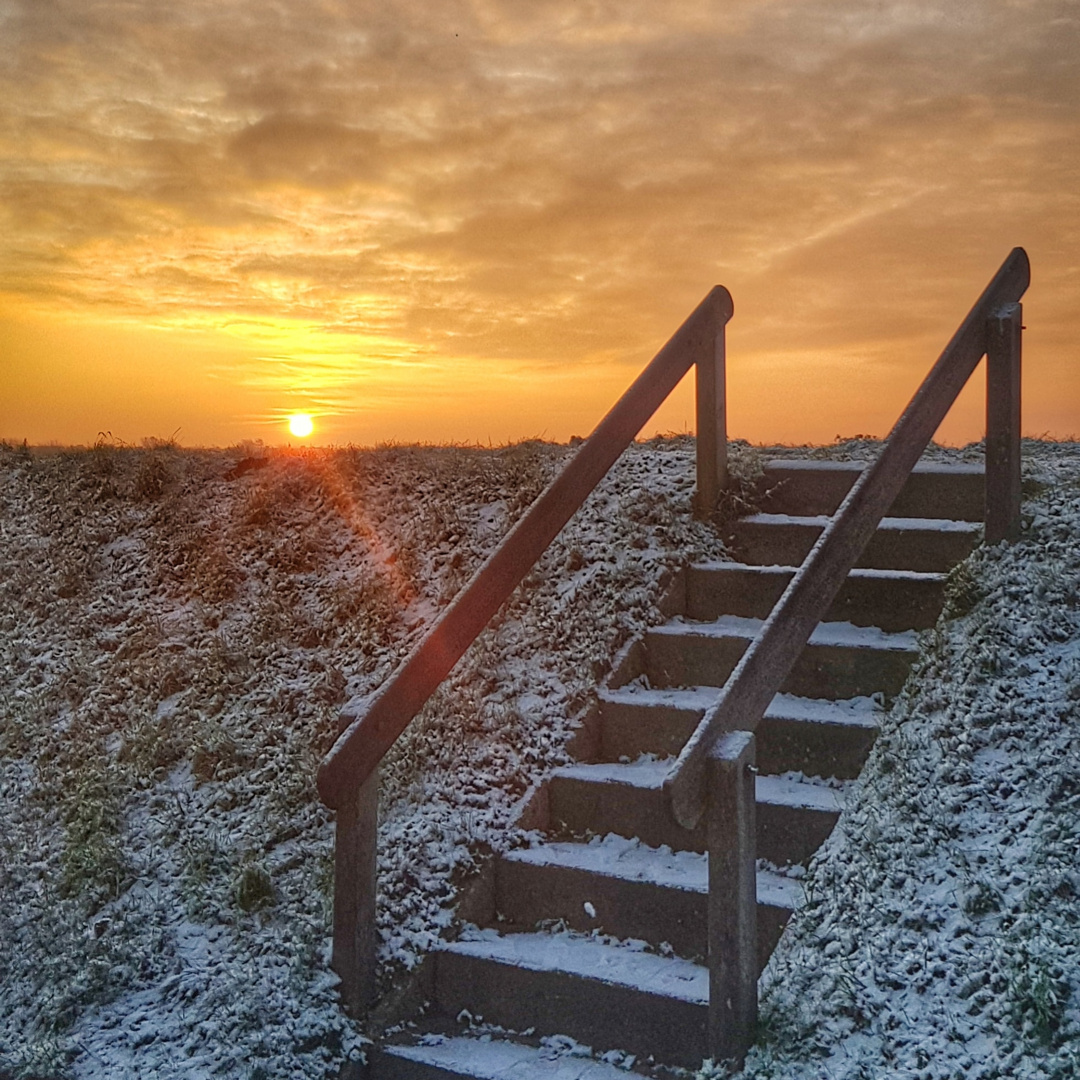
x: 992, y: 327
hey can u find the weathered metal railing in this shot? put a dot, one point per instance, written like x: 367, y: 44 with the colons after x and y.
x: 713, y: 774
x: 348, y: 776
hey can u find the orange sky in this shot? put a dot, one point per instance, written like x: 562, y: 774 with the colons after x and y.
x: 476, y: 220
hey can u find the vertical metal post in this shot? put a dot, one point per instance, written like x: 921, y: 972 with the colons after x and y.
x: 733, y: 950
x: 1003, y: 332
x: 355, y: 845
x: 711, y: 389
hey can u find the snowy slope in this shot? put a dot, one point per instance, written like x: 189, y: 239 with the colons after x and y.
x: 178, y: 631
x: 940, y: 935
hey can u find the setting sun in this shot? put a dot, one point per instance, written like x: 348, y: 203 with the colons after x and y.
x: 307, y: 210
x: 300, y: 425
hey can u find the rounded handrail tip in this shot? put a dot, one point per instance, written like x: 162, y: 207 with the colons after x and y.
x: 1021, y: 256
x: 328, y: 792
x: 682, y: 796
x: 720, y: 300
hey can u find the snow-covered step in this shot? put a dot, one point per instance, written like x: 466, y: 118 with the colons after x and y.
x: 934, y: 489
x: 816, y: 736
x: 793, y: 816
x: 891, y: 599
x: 627, y: 889
x: 841, y: 660
x: 924, y: 544
x: 478, y: 1057
x: 608, y: 996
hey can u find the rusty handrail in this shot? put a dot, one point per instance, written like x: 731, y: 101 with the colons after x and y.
x: 991, y: 326
x: 375, y: 722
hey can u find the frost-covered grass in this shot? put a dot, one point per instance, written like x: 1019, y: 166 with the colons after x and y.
x: 941, y: 932
x: 178, y: 632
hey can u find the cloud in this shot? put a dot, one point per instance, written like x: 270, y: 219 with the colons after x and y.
x: 550, y: 181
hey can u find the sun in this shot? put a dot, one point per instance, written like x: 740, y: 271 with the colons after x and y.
x: 300, y: 425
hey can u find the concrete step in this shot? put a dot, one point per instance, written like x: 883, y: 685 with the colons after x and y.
x: 793, y: 816
x: 934, y: 489
x: 923, y: 544
x: 605, y: 995
x: 841, y: 660
x: 891, y: 599
x: 632, y: 891
x: 815, y: 736
x: 476, y: 1057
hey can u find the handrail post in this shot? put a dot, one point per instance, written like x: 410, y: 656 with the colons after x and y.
x: 732, y: 913
x: 355, y: 845
x: 1003, y: 333
x: 710, y: 383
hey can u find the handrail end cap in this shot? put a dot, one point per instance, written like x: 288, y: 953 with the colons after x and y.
x: 721, y: 302
x: 1022, y: 259
x: 329, y: 790
x: 683, y: 802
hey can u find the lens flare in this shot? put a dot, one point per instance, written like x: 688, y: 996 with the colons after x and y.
x: 300, y: 425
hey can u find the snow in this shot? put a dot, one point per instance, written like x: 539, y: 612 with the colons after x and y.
x: 819, y: 521
x: 796, y: 791
x: 622, y: 857
x: 940, y: 933
x: 829, y: 633
x: 626, y: 963
x: 855, y: 711
x: 175, y: 656
x: 942, y: 525
x: 645, y: 772
x: 178, y: 632
x: 496, y: 1059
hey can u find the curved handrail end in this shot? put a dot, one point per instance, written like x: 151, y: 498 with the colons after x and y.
x: 332, y: 779
x: 720, y: 300
x: 1023, y: 263
x: 683, y: 791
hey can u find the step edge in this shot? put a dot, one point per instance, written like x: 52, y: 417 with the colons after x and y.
x: 776, y: 570
x: 887, y: 524
x: 475, y: 1048
x: 671, y: 966
x: 828, y: 712
x: 933, y: 468
x: 827, y: 634
x: 771, y: 886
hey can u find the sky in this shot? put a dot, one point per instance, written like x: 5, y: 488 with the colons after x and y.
x: 477, y: 220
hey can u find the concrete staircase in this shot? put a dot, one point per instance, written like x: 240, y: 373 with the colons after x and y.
x: 597, y: 935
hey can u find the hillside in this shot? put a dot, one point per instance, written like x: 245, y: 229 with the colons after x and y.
x: 179, y: 628
x: 940, y: 936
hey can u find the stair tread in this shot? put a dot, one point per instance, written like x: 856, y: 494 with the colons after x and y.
x: 716, y: 565
x: 861, y: 712
x: 946, y: 468
x: 898, y: 523
x: 631, y: 860
x: 501, y: 1059
x: 780, y: 790
x: 826, y: 633
x: 586, y: 957
x: 648, y: 774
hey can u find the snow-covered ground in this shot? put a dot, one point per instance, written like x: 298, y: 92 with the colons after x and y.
x: 178, y: 631
x: 940, y: 936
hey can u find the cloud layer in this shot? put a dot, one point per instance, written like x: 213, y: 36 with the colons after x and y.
x: 539, y: 183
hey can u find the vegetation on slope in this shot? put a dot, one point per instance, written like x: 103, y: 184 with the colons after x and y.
x: 940, y: 937
x: 178, y: 631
